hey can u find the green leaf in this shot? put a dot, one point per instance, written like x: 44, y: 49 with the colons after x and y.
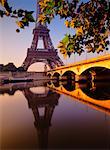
x: 29, y: 17
x: 25, y: 21
x: 48, y: 11
x: 70, y: 46
x: 65, y: 40
x: 51, y: 4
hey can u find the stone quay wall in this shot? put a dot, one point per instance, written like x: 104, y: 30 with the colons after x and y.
x: 23, y: 75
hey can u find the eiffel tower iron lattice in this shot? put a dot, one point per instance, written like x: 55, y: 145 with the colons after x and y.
x: 48, y: 54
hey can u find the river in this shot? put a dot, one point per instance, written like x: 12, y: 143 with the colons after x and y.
x: 36, y: 115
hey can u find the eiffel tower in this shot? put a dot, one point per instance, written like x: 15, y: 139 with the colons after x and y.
x: 48, y: 54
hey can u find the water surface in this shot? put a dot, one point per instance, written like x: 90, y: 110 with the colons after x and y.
x: 34, y: 116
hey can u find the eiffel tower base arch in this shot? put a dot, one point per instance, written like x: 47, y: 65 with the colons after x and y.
x: 49, y: 58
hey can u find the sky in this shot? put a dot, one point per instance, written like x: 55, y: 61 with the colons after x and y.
x: 13, y: 46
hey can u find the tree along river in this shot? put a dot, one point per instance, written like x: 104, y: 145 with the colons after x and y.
x: 33, y: 116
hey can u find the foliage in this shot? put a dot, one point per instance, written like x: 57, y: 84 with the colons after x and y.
x: 9, y: 67
x: 23, y: 17
x: 90, y: 19
x: 20, y: 69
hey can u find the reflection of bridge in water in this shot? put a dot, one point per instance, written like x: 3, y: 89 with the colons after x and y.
x: 94, y: 95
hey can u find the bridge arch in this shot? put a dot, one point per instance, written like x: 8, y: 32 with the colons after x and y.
x: 49, y: 75
x: 95, y: 68
x: 68, y: 75
x: 56, y: 75
x: 103, y: 65
x: 69, y: 85
x: 96, y: 73
x: 56, y: 84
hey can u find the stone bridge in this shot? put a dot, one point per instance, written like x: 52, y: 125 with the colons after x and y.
x: 80, y: 67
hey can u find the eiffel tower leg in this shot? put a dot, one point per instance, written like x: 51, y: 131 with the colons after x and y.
x: 42, y: 128
x: 45, y: 43
x: 36, y: 115
x: 27, y: 62
x: 51, y: 64
x: 48, y: 113
x: 34, y: 43
x: 60, y: 61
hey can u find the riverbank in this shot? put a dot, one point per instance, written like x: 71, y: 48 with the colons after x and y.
x: 7, y: 77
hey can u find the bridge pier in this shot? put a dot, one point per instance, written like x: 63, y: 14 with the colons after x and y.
x: 77, y: 78
x: 60, y: 77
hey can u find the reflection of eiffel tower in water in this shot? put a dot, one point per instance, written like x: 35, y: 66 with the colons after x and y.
x: 47, y: 54
x: 47, y: 101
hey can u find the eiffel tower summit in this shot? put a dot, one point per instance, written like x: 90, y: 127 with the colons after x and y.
x: 48, y: 54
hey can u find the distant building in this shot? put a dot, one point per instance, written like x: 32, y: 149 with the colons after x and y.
x: 20, y: 69
x: 1, y: 67
x: 10, y: 67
